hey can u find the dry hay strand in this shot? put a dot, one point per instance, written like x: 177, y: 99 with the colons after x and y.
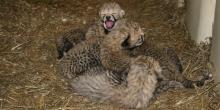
x: 28, y: 74
x: 200, y: 99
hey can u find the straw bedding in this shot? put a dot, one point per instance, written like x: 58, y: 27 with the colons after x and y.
x: 28, y: 74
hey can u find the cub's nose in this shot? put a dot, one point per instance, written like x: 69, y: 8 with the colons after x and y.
x: 108, y: 17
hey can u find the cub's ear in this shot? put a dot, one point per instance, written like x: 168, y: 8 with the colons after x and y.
x: 122, y: 13
x: 125, y: 43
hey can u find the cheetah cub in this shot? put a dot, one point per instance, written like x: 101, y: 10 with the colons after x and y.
x: 170, y: 64
x: 102, y: 51
x: 137, y: 88
x: 111, y: 17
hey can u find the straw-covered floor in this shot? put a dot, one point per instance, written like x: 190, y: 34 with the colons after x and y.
x: 28, y: 74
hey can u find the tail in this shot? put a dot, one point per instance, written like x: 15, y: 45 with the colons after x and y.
x: 135, y: 92
x: 191, y: 84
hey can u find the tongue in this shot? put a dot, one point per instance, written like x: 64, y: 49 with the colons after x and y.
x: 109, y: 24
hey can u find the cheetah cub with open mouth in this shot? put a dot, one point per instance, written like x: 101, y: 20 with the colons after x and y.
x: 111, y: 16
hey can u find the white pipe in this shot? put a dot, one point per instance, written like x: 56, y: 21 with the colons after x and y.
x: 200, y: 18
x: 215, y: 53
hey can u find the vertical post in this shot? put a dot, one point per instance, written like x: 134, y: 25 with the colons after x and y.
x: 215, y: 52
x: 200, y: 18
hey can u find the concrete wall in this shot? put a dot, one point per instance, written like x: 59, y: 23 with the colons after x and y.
x: 200, y: 18
x: 215, y: 54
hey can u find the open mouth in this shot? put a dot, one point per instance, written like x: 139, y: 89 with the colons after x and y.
x: 109, y: 24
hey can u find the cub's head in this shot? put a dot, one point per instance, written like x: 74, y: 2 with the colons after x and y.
x: 127, y: 37
x: 133, y: 36
x: 109, y: 14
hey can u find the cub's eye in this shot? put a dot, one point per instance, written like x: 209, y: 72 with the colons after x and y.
x: 115, y: 15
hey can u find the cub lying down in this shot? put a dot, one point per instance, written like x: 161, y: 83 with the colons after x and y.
x: 135, y: 91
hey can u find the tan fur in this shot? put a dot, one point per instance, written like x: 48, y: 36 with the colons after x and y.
x: 114, y: 54
x: 111, y: 8
x: 135, y: 92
